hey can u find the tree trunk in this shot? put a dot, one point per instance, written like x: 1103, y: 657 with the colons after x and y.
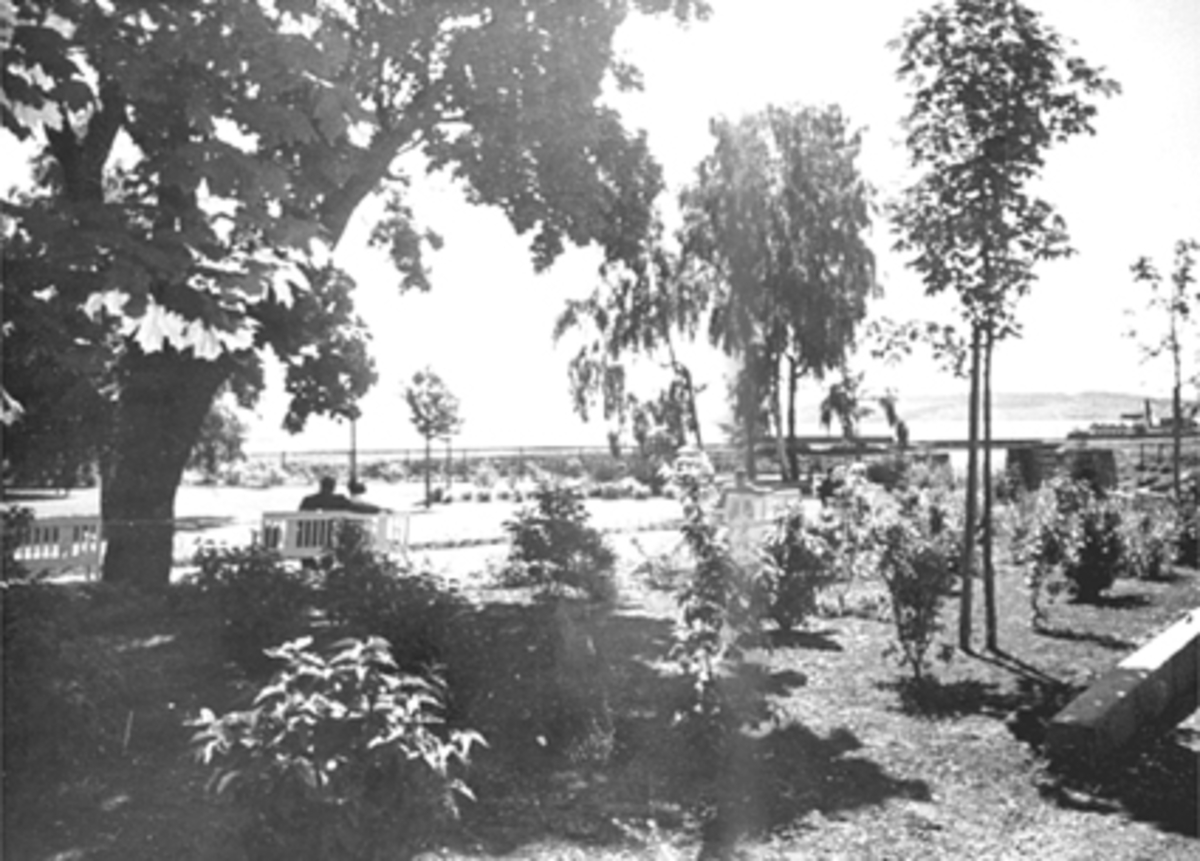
x: 749, y: 405
x: 989, y: 572
x: 777, y: 418
x: 793, y: 456
x: 428, y: 470
x: 1177, y: 438
x: 163, y: 399
x: 968, y: 557
x: 689, y: 386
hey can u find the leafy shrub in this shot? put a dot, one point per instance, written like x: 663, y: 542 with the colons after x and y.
x: 1100, y: 553
x: 717, y: 607
x: 651, y: 467
x: 918, y: 562
x: 605, y: 469
x: 1072, y: 538
x: 1150, y: 538
x: 485, y: 475
x: 367, y: 594
x: 800, y: 559
x: 340, y: 756
x: 847, y: 518
x: 554, y: 548
x: 260, y: 599
x: 1038, y: 542
x: 384, y: 470
x: 255, y: 473
x: 890, y: 473
x: 572, y: 467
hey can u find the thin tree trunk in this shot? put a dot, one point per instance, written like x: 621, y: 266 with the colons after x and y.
x: 428, y: 470
x: 777, y: 417
x: 163, y: 400
x: 793, y: 456
x: 989, y: 571
x: 968, y: 557
x: 681, y: 371
x: 1177, y: 440
x: 749, y: 409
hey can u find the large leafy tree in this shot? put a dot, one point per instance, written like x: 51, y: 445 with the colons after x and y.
x: 1178, y: 304
x: 199, y: 160
x: 777, y: 217
x: 992, y: 88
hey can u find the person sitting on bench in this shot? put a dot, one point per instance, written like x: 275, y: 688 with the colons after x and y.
x: 327, y: 499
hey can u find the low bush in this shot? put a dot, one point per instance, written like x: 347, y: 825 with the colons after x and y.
x: 256, y: 473
x: 1100, y: 553
x: 1150, y: 538
x: 340, y: 756
x: 847, y: 517
x: 485, y: 475
x: 1072, y: 539
x: 799, y: 560
x: 891, y: 473
x: 555, y: 550
x: 368, y: 594
x: 603, y: 470
x: 260, y: 599
x: 1038, y: 542
x: 918, y: 561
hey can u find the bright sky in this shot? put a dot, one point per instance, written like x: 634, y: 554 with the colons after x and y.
x: 1133, y: 189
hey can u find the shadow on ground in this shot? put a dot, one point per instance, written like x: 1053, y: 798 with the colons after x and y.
x: 1155, y: 782
x: 582, y: 713
x: 1108, y: 641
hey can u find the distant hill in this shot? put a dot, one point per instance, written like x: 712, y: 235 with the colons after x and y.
x: 1081, y: 407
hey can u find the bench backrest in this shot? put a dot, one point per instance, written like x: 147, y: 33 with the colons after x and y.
x: 53, y: 545
x: 310, y: 534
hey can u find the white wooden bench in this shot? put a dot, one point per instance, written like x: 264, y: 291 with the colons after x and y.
x: 311, y: 534
x: 55, y: 545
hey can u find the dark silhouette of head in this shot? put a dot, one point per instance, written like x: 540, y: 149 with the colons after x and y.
x: 328, y: 484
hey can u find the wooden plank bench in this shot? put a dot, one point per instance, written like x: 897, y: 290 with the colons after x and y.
x: 1155, y: 686
x: 56, y: 545
x: 311, y: 534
